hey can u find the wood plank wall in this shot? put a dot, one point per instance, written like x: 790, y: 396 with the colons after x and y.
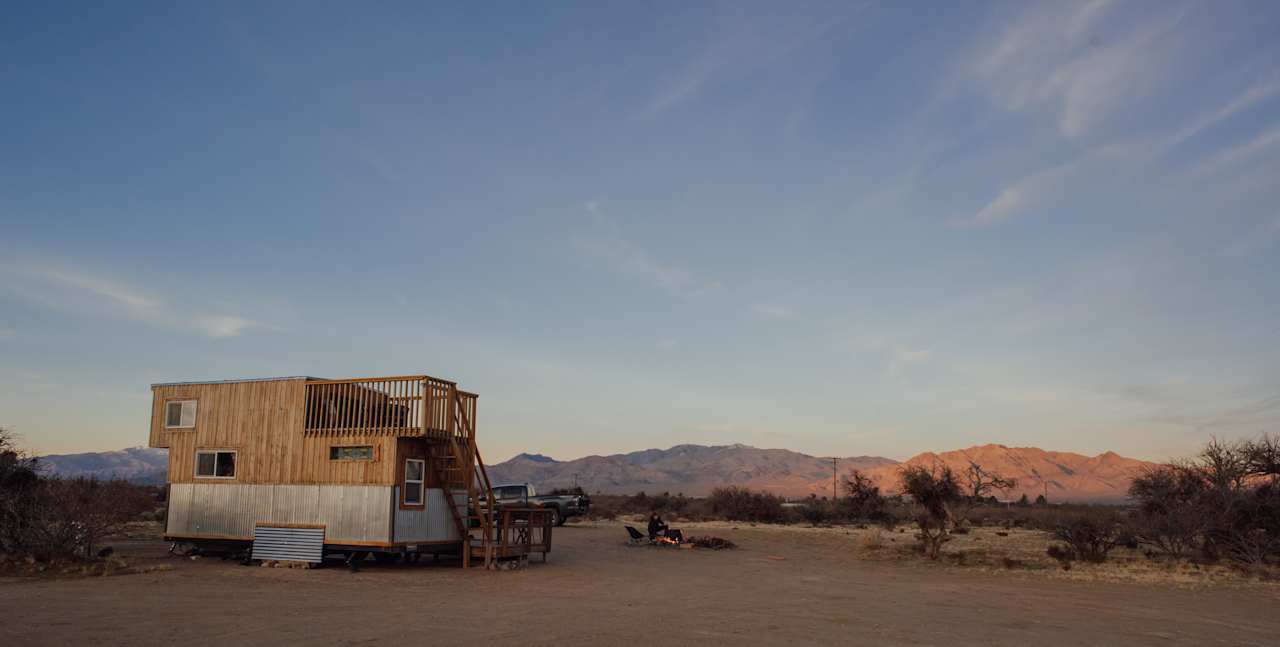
x: 263, y: 422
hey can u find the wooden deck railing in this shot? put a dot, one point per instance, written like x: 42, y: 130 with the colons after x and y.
x: 413, y: 405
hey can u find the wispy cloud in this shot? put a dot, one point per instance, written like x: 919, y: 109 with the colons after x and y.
x: 608, y: 247
x: 1021, y: 196
x: 1074, y: 61
x: 1256, y: 145
x: 738, y: 44
x: 1251, y: 96
x: 904, y: 357
x: 1046, y: 186
x: 94, y: 295
x: 772, y: 311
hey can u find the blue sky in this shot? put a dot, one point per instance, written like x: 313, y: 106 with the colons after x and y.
x: 841, y: 229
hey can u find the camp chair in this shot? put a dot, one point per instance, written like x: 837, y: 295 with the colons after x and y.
x: 637, y: 537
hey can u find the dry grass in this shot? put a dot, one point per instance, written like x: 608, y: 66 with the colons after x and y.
x: 1015, y: 551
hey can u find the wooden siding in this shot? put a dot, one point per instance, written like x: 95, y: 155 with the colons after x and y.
x: 263, y: 422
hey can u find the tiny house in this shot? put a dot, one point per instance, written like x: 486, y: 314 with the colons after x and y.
x: 302, y: 466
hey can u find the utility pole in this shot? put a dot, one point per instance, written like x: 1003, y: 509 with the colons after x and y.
x: 833, y: 478
x: 575, y: 480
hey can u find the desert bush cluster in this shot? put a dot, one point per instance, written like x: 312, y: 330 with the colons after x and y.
x: 1223, y: 503
x: 741, y: 504
x: 671, y: 506
x: 944, y: 500
x: 46, y: 518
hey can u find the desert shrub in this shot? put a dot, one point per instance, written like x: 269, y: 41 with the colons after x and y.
x: 1244, y: 525
x: 818, y: 512
x: 863, y: 501
x: 1091, y: 538
x: 1225, y: 501
x: 17, y: 469
x: 1064, y: 554
x: 50, y: 518
x: 57, y: 518
x: 936, y: 492
x: 741, y: 504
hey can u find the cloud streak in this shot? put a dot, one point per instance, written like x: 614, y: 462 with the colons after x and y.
x: 772, y: 311
x: 610, y: 249
x: 1258, y: 144
x: 94, y: 295
x: 738, y: 45
x: 1046, y: 186
x: 1067, y: 58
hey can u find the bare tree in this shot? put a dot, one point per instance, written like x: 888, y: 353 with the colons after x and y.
x: 1262, y: 457
x: 978, y: 484
x: 17, y: 469
x: 863, y: 500
x: 937, y: 492
x: 1224, y: 464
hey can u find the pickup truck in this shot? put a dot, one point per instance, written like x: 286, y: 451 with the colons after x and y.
x: 562, y: 506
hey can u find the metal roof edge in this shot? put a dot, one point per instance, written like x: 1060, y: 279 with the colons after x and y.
x: 248, y: 379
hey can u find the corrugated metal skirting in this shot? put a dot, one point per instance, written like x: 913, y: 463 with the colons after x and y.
x: 432, y: 523
x: 356, y: 513
x: 288, y: 544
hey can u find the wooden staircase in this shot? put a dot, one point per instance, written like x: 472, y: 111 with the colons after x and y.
x: 457, y: 465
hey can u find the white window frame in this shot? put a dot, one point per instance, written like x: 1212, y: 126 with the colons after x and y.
x: 422, y: 483
x: 184, y: 422
x: 215, y: 452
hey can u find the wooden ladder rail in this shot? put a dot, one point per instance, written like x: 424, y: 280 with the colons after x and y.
x: 489, y: 515
x: 453, y: 507
x: 457, y: 418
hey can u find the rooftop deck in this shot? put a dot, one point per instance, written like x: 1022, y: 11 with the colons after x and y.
x: 410, y: 405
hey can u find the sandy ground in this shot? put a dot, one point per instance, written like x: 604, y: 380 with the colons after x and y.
x: 595, y: 590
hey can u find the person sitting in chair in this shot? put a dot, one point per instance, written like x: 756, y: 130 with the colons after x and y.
x: 656, y: 525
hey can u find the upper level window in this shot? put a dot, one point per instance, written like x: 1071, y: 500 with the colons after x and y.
x: 216, y: 464
x: 353, y: 453
x: 414, y: 470
x: 180, y: 414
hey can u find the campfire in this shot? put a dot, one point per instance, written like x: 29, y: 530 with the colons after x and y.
x: 669, y: 541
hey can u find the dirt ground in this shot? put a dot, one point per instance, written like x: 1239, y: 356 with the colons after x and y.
x: 803, y: 586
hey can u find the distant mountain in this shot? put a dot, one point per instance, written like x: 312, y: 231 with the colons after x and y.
x: 691, y: 469
x: 138, y: 464
x: 1063, y: 476
x: 695, y: 470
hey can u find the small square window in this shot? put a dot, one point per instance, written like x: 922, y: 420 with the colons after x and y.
x: 180, y: 414
x: 216, y: 464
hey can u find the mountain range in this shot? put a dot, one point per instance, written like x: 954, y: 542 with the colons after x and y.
x: 695, y: 470
x: 143, y: 465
